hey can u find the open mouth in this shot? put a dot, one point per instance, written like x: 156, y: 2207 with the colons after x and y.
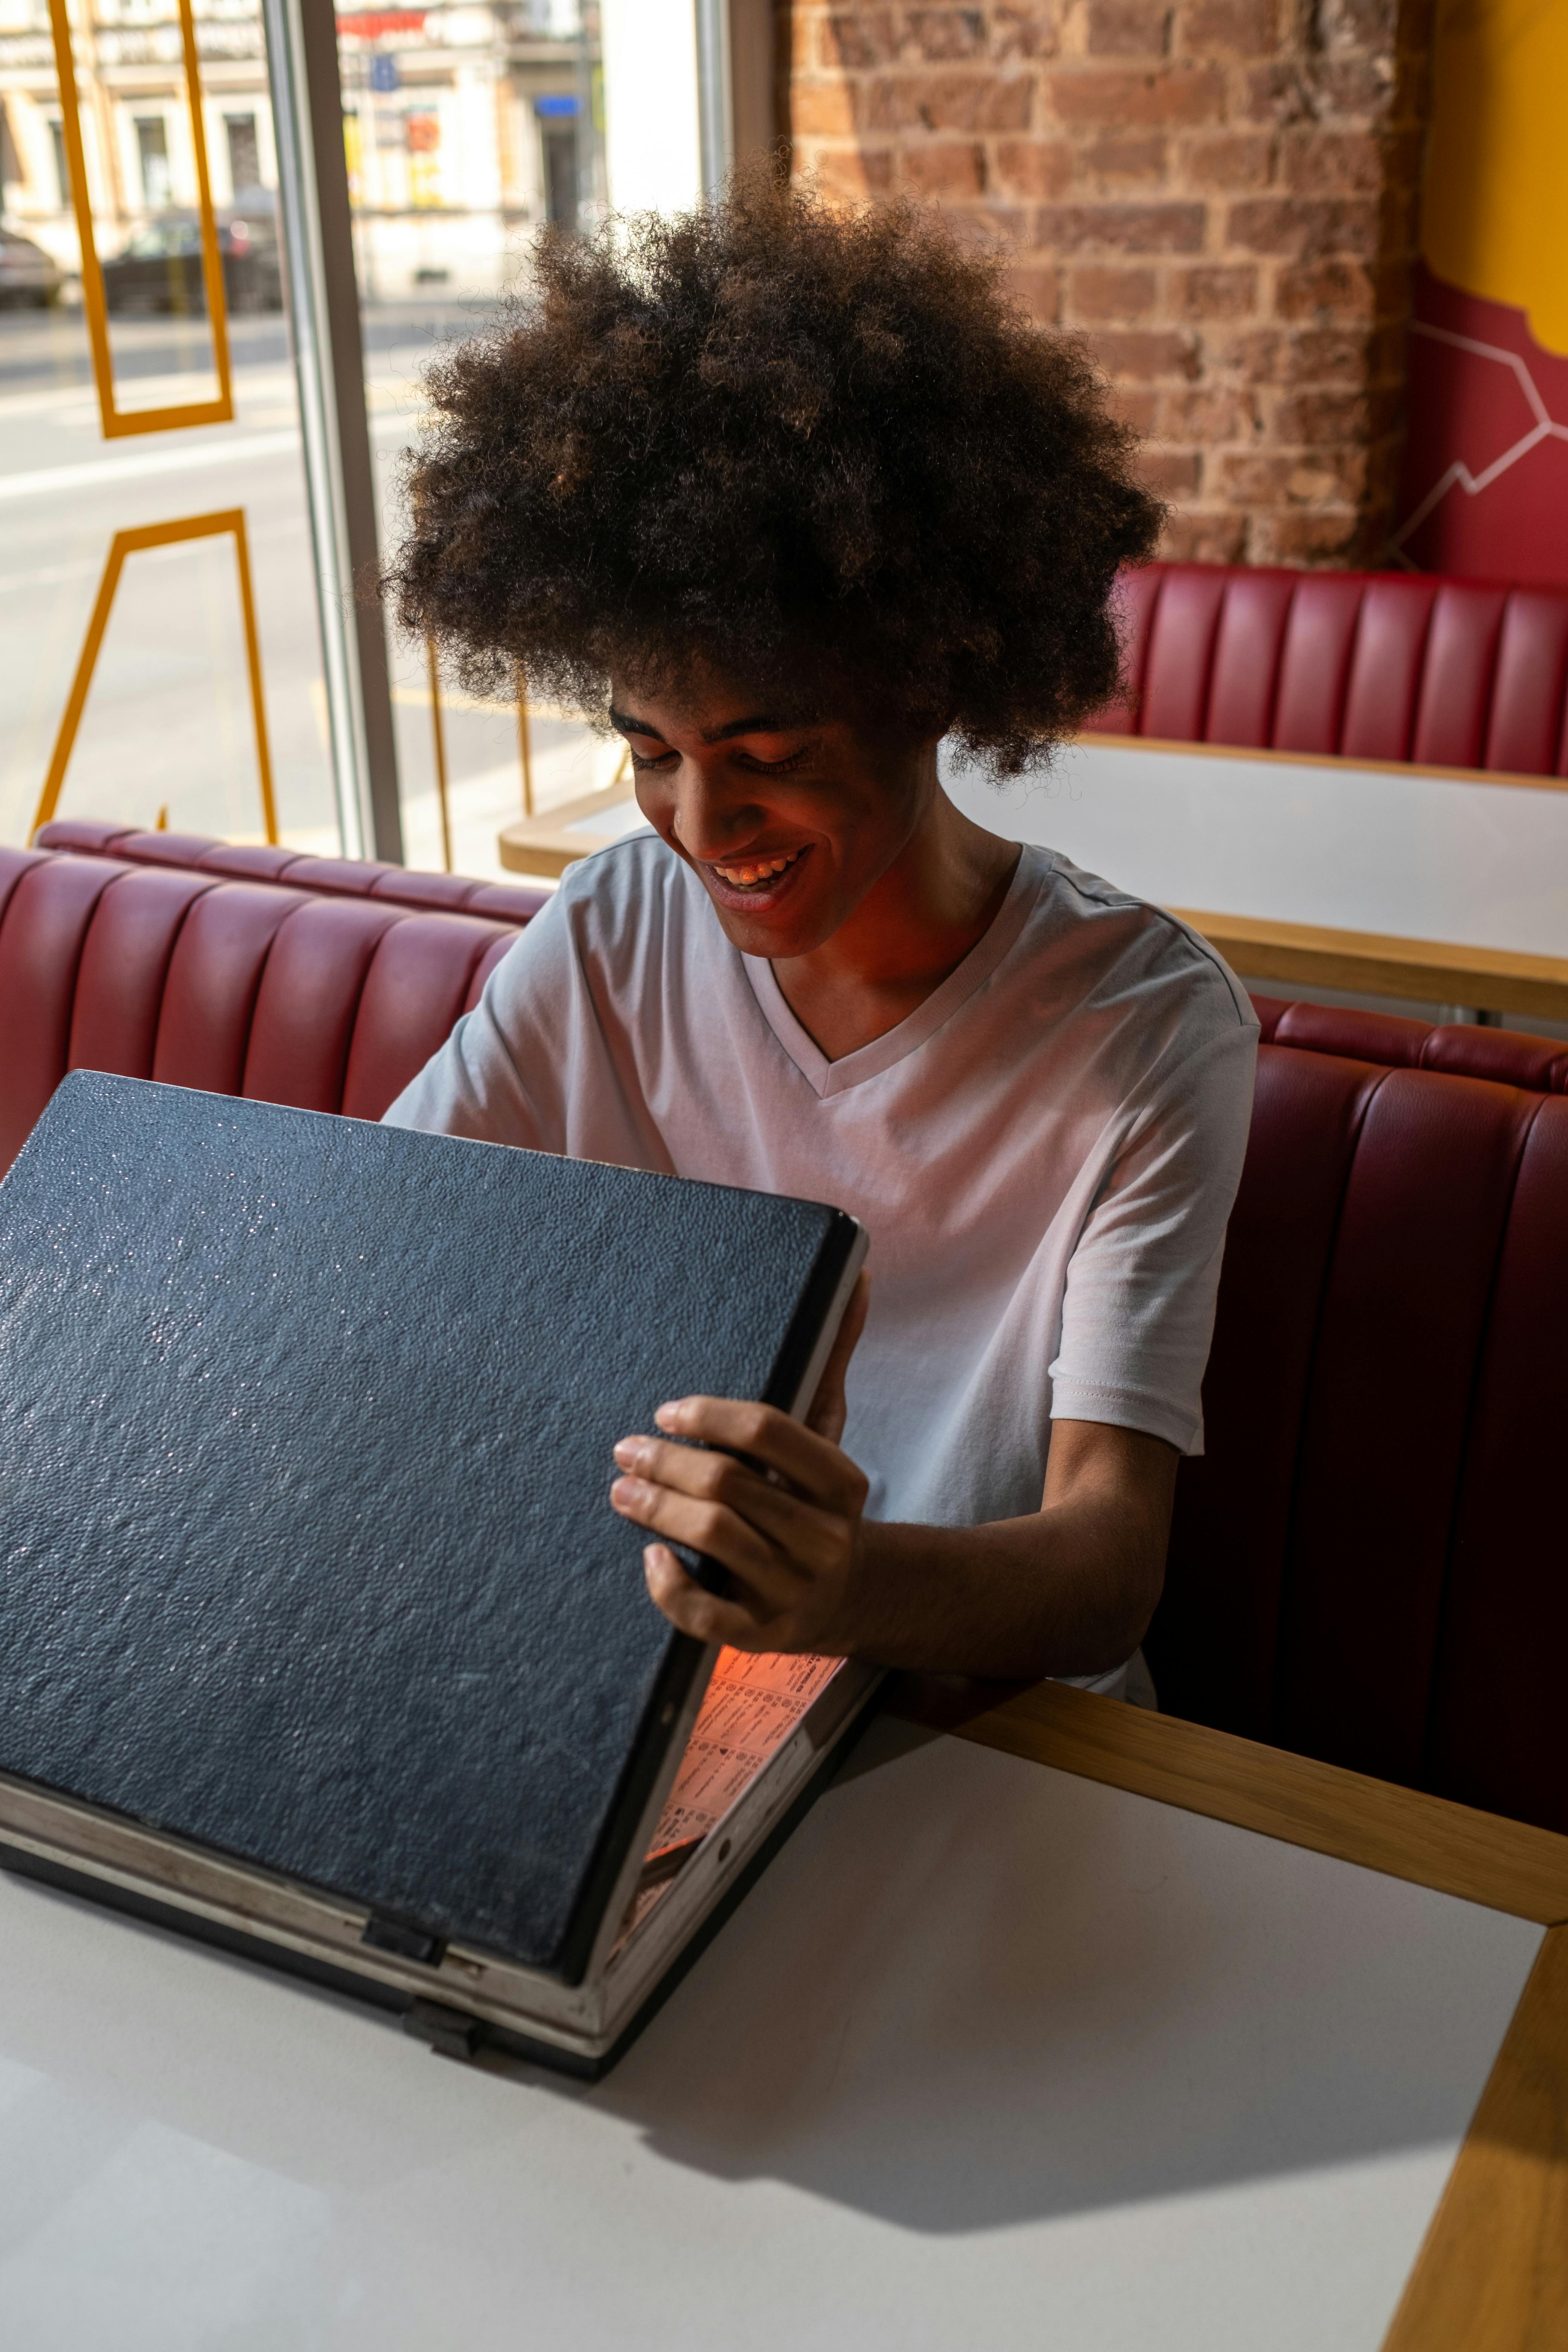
x: 757, y: 874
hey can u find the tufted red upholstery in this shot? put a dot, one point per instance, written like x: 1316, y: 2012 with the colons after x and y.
x: 392, y: 886
x: 327, y: 989
x: 1367, y: 1564
x: 1362, y: 665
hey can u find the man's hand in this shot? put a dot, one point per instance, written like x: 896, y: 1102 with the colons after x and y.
x: 785, y: 1521
x: 1067, y: 1589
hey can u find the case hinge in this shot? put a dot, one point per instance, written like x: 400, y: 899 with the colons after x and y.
x: 403, y: 1938
x: 449, y: 2032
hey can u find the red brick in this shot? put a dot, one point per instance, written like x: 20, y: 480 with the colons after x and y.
x: 1305, y: 228
x: 1326, y: 288
x: 1225, y: 201
x: 1143, y: 357
x: 1122, y: 228
x: 1229, y: 161
x: 1336, y: 478
x: 1332, y: 162
x: 1306, y: 538
x: 1128, y: 29
x: 1321, y: 418
x: 1023, y: 32
x: 800, y: 36
x: 939, y: 34
x: 1038, y: 291
x: 822, y: 110
x: 1204, y: 539
x: 1169, y: 473
x: 1117, y: 294
x: 1354, y: 86
x: 1278, y: 92
x: 1135, y: 409
x: 1034, y: 167
x: 1229, y: 28
x: 1207, y: 413
x: 949, y: 102
x: 987, y: 225
x: 1261, y: 480
x: 1128, y: 162
x: 1177, y: 94
x: 1365, y: 23
x: 1214, y: 290
x: 1330, y: 355
x: 859, y: 38
x: 851, y: 175
x: 949, y: 170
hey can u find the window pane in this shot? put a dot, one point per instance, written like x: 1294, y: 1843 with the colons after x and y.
x: 466, y: 129
x: 168, y: 721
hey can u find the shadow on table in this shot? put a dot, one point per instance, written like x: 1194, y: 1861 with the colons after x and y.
x: 970, y: 1992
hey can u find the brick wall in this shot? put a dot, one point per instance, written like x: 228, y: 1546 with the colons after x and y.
x: 1218, y: 194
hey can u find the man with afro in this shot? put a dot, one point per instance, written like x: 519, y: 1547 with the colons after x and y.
x: 787, y: 496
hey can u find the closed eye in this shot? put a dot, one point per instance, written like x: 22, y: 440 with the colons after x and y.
x: 772, y: 767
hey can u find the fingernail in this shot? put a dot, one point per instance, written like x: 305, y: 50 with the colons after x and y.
x: 669, y: 1415
x: 629, y: 1453
x: 627, y: 1493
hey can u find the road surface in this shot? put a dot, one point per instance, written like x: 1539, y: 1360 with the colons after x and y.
x: 168, y: 724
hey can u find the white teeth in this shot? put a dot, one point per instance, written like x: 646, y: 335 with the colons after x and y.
x: 743, y: 877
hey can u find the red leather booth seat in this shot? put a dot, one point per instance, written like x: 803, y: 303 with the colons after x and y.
x: 315, y: 981
x: 1367, y: 1564
x: 1365, y: 664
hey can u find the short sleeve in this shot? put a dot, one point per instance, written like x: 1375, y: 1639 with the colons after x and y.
x: 549, y: 1056
x: 1138, y: 1305
x: 497, y: 1079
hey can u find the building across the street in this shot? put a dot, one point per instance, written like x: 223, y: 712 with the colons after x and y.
x: 465, y: 126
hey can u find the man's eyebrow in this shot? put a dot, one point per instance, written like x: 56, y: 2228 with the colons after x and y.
x: 763, y: 723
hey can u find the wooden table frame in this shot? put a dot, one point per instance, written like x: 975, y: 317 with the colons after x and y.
x: 1492, y: 2273
x: 545, y: 845
x: 1372, y: 963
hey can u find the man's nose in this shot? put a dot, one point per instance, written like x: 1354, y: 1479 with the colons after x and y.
x: 709, y: 817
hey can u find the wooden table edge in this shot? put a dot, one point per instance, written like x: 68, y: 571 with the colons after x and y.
x: 1404, y: 1832
x: 1386, y: 964
x: 1492, y: 2271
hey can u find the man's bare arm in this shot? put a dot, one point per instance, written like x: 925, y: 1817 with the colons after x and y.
x: 1067, y: 1589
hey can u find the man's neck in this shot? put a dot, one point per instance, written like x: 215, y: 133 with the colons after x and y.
x: 916, y: 924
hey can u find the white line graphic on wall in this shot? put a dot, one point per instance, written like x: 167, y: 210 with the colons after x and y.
x: 1545, y: 428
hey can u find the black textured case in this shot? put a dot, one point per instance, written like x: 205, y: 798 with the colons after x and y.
x: 305, y: 1546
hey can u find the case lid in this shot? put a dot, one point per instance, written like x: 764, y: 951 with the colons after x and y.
x: 306, y: 1429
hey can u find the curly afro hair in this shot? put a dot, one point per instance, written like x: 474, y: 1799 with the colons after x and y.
x: 799, y: 449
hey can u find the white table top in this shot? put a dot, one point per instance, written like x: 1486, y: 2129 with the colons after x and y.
x: 992, y: 2054
x: 1421, y: 857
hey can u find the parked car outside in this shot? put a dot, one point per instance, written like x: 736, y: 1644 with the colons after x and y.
x: 30, y: 277
x: 160, y: 267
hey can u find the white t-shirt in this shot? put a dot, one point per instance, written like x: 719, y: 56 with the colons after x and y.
x: 1044, y: 1154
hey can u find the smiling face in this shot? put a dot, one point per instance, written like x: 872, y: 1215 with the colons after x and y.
x: 788, y: 823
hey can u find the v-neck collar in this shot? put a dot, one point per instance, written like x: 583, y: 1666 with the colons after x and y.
x: 825, y: 1077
